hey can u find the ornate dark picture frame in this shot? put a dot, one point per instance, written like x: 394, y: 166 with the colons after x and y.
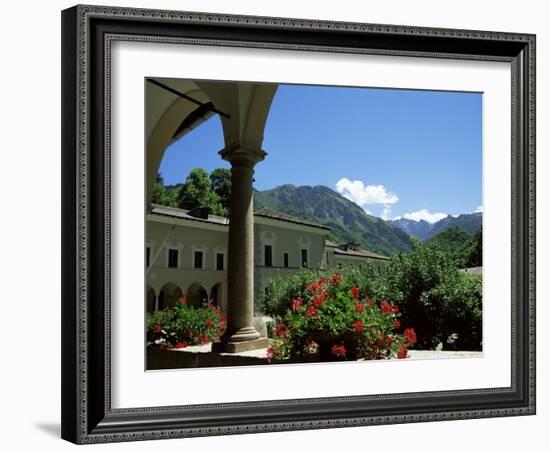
x: 87, y: 33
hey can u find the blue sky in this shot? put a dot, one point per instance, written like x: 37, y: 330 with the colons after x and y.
x: 397, y: 153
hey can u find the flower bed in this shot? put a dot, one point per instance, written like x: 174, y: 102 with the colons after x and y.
x: 183, y: 325
x: 340, y: 323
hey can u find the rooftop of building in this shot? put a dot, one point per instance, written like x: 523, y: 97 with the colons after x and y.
x: 203, y: 215
x: 352, y: 249
x: 277, y: 215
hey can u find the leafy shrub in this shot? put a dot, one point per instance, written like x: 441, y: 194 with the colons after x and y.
x: 183, y: 325
x: 337, y: 320
x: 434, y: 296
x: 279, y: 291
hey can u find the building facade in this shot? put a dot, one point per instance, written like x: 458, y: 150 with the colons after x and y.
x: 187, y: 254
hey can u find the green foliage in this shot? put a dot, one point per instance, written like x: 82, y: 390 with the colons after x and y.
x: 162, y: 195
x: 336, y: 320
x: 221, y: 184
x: 473, y: 250
x: 197, y: 191
x: 435, y: 298
x: 451, y: 241
x: 183, y: 325
x: 279, y: 292
x: 466, y: 249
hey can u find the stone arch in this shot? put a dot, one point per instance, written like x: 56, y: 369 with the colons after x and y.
x: 242, y: 108
x: 169, y: 295
x: 197, y: 295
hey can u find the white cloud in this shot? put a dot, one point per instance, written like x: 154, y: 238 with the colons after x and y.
x: 479, y: 209
x: 373, y: 194
x: 386, y: 213
x: 363, y: 195
x: 424, y: 214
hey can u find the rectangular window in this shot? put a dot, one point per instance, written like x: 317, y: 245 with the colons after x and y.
x: 148, y: 256
x: 198, y: 260
x: 172, y: 257
x: 268, y: 257
x: 327, y: 259
x: 219, y: 261
x: 285, y: 259
x: 304, y: 257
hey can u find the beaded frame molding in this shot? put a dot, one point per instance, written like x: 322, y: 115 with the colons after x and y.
x: 87, y: 34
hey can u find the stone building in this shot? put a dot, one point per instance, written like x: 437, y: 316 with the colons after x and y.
x: 186, y: 253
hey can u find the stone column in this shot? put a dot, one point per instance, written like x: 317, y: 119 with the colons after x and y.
x: 156, y: 302
x: 241, y: 334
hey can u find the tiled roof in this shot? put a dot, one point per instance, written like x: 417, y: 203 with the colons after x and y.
x: 361, y: 253
x: 273, y: 214
x: 184, y: 214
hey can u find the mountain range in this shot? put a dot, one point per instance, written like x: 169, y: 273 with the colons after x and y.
x: 350, y: 223
x: 469, y: 222
x: 347, y: 220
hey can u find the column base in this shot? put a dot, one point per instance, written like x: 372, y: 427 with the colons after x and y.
x: 242, y: 346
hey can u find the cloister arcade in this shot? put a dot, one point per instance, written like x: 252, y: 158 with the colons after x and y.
x: 174, y: 107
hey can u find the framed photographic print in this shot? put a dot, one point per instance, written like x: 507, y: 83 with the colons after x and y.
x: 283, y: 224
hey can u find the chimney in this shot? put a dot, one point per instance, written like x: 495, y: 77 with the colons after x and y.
x: 201, y: 212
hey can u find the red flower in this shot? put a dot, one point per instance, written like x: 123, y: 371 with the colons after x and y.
x: 182, y: 299
x: 386, y: 307
x: 355, y: 292
x: 396, y: 309
x: 181, y: 344
x: 311, y: 311
x: 203, y: 339
x: 157, y: 329
x: 336, y: 278
x: 397, y: 324
x: 369, y: 302
x: 358, y: 326
x: 389, y: 341
x: 402, y: 352
x: 339, y: 350
x: 322, y: 281
x: 319, y: 299
x: 272, y: 353
x: 280, y: 330
x: 359, y: 307
x: 297, y: 304
x: 269, y: 353
x: 208, y: 322
x: 410, y: 335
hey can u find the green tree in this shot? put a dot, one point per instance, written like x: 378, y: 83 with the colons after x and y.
x: 162, y: 195
x: 197, y: 192
x: 473, y: 252
x: 435, y: 297
x: 221, y: 183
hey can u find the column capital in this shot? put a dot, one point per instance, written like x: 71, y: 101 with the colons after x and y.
x: 240, y: 155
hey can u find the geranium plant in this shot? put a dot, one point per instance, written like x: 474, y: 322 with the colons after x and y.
x: 340, y: 323
x: 183, y: 325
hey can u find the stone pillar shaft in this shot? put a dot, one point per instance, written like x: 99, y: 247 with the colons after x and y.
x: 240, y: 269
x: 241, y: 334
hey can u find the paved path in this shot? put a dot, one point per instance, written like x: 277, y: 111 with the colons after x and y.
x: 413, y: 354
